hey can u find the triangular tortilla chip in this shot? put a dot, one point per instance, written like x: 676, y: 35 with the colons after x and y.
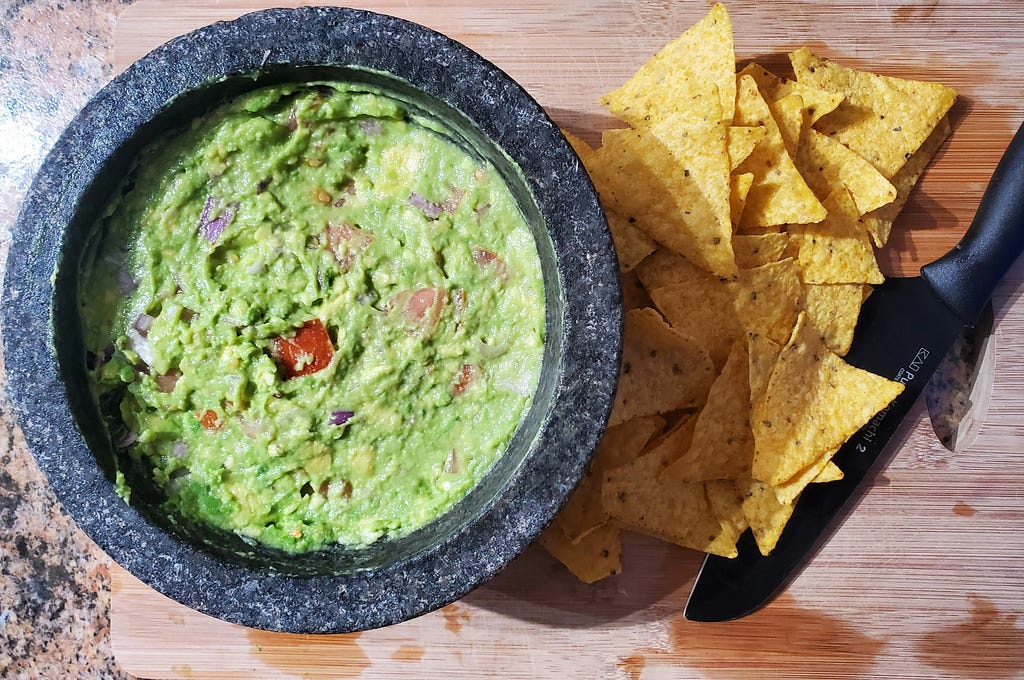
x: 662, y: 370
x: 596, y: 556
x: 681, y: 74
x: 765, y: 514
x: 754, y: 250
x: 825, y: 164
x: 813, y: 403
x: 741, y: 141
x: 768, y: 299
x: 779, y: 194
x: 666, y: 267
x: 702, y: 310
x: 671, y: 444
x: 738, y: 196
x: 634, y: 295
x: 883, y: 119
x: 837, y: 250
x: 726, y: 501
x: 722, y: 446
x: 833, y: 308
x: 829, y: 473
x: 816, y: 102
x: 762, y: 353
x: 631, y: 243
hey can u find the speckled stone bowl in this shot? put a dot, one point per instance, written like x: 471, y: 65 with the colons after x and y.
x: 333, y: 590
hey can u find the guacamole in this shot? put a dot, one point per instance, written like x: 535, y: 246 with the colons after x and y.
x: 312, y: 318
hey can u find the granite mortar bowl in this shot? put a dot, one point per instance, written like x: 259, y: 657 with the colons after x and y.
x: 338, y: 589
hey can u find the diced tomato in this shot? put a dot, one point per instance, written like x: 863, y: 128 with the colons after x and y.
x: 209, y: 420
x: 420, y: 309
x: 487, y: 259
x: 465, y: 378
x: 308, y: 351
x: 345, y: 242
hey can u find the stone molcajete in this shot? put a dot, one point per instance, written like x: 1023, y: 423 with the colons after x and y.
x: 335, y: 590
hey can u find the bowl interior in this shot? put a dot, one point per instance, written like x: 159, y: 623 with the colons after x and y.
x: 88, y: 413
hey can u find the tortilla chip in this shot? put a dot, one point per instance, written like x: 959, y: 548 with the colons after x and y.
x: 768, y: 299
x: 664, y: 189
x: 662, y: 370
x: 816, y: 102
x: 814, y: 402
x: 741, y: 141
x: 789, y: 491
x: 779, y: 194
x: 631, y: 243
x: 826, y: 164
x: 883, y: 119
x: 597, y: 555
x: 837, y: 250
x: 702, y: 309
x: 726, y: 501
x: 829, y: 473
x: 722, y: 446
x: 668, y: 447
x: 879, y: 222
x: 634, y: 295
x: 754, y: 250
x: 766, y: 515
x: 582, y: 149
x: 792, y: 118
x: 738, y: 196
x: 832, y: 309
x: 621, y: 444
x: 681, y: 74
x: 668, y: 268
x: 678, y: 513
x: 762, y: 353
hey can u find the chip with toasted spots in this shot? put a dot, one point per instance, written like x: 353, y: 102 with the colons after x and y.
x: 792, y: 118
x: 879, y: 222
x: 702, y: 310
x: 726, y: 501
x: 825, y: 164
x: 762, y: 353
x: 816, y: 102
x: 634, y: 295
x: 833, y: 308
x: 681, y: 76
x: 883, y: 119
x: 768, y: 299
x: 766, y: 516
x: 662, y: 370
x: 814, y: 401
x: 596, y: 556
x: 754, y: 250
x: 829, y: 473
x: 621, y: 444
x: 631, y: 243
x: 667, y: 268
x: 741, y: 141
x: 839, y: 249
x: 738, y: 200
x: 779, y: 194
x: 722, y: 445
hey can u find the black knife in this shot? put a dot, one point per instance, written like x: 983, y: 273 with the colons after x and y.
x: 906, y: 327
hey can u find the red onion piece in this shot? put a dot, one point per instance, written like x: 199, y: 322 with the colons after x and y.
x: 370, y: 127
x: 127, y: 440
x: 142, y: 323
x: 341, y: 417
x: 451, y: 204
x: 429, y: 208
x: 126, y: 283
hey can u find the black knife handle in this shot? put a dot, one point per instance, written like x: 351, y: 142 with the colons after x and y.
x: 965, y: 277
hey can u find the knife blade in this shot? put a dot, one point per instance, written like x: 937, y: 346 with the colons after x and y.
x: 906, y: 327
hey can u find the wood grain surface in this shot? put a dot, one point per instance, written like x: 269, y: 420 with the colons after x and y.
x: 924, y: 580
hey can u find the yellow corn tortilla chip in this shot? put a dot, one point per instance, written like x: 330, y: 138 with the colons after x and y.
x: 621, y: 444
x: 762, y: 353
x: 814, y: 402
x: 738, y: 197
x: 741, y: 141
x: 768, y: 299
x: 826, y: 164
x: 829, y: 473
x: 662, y: 370
x: 631, y: 243
x: 638, y: 175
x: 790, y: 490
x: 726, y: 501
x: 879, y: 222
x: 883, y: 119
x: 582, y: 149
x: 666, y: 267
x: 703, y: 310
x: 833, y: 308
x: 681, y: 74
x: 723, y: 445
x: 792, y: 118
x: 839, y: 249
x: 671, y: 444
x: 596, y: 556
x: 779, y: 194
x: 816, y: 102
x: 677, y: 512
x: 754, y: 250
x: 634, y: 295
x: 766, y: 515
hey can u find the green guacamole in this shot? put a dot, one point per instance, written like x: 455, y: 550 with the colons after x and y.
x: 312, y: 318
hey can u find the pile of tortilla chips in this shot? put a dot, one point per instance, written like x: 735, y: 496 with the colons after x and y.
x: 745, y: 209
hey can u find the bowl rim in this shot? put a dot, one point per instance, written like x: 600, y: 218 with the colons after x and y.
x: 587, y: 267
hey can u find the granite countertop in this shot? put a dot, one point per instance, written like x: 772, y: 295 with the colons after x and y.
x: 54, y: 582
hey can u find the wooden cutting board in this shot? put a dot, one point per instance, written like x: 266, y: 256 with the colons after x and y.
x: 924, y: 580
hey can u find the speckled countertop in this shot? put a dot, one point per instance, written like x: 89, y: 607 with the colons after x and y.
x: 54, y: 583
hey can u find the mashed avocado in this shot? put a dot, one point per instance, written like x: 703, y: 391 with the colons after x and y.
x: 314, y: 317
